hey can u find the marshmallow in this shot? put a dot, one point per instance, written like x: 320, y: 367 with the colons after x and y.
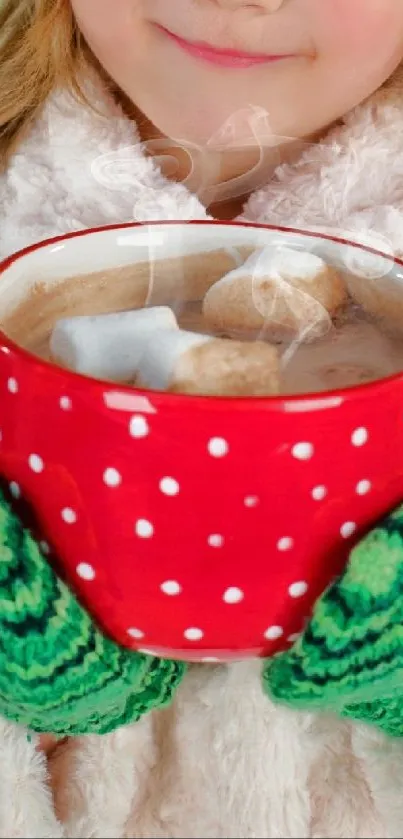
x: 108, y: 346
x: 186, y: 279
x: 285, y: 293
x: 184, y: 362
x: 380, y: 297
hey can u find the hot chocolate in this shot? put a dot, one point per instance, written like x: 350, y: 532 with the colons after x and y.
x: 284, y: 337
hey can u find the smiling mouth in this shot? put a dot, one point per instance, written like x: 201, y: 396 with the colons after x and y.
x: 222, y: 57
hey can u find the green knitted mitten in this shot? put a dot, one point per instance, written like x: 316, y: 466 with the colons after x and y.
x: 349, y: 660
x: 58, y: 672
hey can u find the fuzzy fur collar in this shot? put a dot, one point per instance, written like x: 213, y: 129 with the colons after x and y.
x: 78, y: 169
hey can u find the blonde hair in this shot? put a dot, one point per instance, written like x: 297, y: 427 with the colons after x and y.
x: 40, y: 48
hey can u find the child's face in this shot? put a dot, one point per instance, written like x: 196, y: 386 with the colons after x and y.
x: 335, y: 53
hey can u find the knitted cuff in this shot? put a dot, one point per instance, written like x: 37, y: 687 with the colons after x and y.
x: 350, y: 658
x: 58, y: 672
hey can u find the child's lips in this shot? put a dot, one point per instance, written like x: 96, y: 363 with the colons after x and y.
x: 223, y: 57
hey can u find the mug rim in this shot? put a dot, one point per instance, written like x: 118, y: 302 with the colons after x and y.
x: 281, y: 402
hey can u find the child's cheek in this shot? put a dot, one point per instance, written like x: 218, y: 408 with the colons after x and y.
x: 112, y: 29
x: 359, y: 26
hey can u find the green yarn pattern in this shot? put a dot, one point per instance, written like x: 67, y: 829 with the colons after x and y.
x: 349, y: 660
x: 58, y: 672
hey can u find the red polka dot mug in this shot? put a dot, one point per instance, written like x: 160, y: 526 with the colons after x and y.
x: 192, y: 527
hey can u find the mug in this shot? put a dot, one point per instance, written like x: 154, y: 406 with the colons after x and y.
x: 191, y: 527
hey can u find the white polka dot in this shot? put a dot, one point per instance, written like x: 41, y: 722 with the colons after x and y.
x: 112, y: 478
x: 12, y: 385
x: 85, y: 571
x: 135, y: 633
x: 215, y: 540
x: 6, y: 350
x: 36, y: 463
x: 15, y: 489
x: 273, y: 632
x: 144, y: 529
x: 138, y: 427
x: 294, y: 637
x: 233, y: 595
x: 251, y: 501
x: 363, y: 487
x: 359, y: 437
x: 69, y: 515
x: 298, y: 589
x: 303, y: 451
x: 169, y: 486
x: 319, y: 493
x: 285, y: 544
x: 218, y: 447
x: 171, y: 587
x: 347, y: 529
x: 45, y: 548
x: 193, y: 634
x: 209, y: 659
x: 65, y: 403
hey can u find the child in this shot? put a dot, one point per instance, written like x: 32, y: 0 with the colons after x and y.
x: 280, y: 111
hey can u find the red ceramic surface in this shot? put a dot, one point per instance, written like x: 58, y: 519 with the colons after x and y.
x: 196, y: 528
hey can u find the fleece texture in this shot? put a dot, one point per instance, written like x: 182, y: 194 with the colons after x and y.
x: 222, y: 760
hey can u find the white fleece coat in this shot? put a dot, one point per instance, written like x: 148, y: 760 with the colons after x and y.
x: 222, y: 761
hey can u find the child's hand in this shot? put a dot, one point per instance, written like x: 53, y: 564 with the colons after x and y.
x: 349, y: 659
